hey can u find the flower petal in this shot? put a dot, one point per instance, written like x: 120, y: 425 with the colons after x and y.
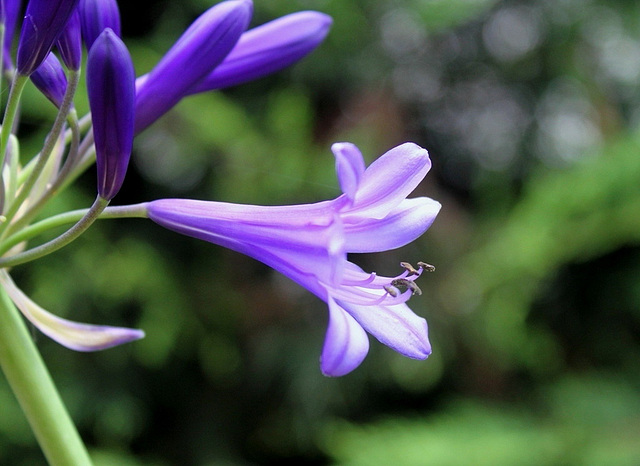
x: 73, y: 335
x: 389, y: 180
x: 401, y: 226
x: 395, y: 326
x: 349, y: 167
x: 268, y: 48
x: 345, y: 345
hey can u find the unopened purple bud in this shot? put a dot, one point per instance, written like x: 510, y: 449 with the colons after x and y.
x: 9, y: 13
x: 111, y: 90
x: 96, y: 16
x: 50, y: 79
x: 268, y: 48
x: 42, y: 25
x: 70, y: 42
x: 200, y: 49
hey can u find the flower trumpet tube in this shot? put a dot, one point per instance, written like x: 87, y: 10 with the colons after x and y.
x: 111, y: 89
x: 199, y: 50
x: 309, y: 244
x: 43, y: 23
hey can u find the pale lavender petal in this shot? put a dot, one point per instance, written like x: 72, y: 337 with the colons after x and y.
x: 388, y: 180
x: 345, y: 345
x: 402, y: 225
x: 73, y: 335
x: 395, y: 326
x: 267, y: 49
x: 349, y: 167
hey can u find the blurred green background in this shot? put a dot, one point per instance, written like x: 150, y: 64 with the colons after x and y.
x: 530, y: 111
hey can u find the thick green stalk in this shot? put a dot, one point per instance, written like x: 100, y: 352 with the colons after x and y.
x: 33, y: 387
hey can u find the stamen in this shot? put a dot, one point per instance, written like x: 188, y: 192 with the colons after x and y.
x: 392, y: 290
x: 427, y: 267
x: 409, y: 268
x: 415, y: 289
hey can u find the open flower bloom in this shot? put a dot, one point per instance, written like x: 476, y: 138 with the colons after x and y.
x: 309, y: 243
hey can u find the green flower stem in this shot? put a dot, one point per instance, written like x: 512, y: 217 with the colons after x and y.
x: 68, y: 236
x: 10, y: 112
x: 129, y: 211
x: 49, y: 144
x: 33, y: 387
x: 70, y: 162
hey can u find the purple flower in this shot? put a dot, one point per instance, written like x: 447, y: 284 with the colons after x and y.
x: 111, y: 90
x: 9, y: 13
x: 70, y: 42
x: 267, y: 49
x: 43, y: 23
x: 309, y: 244
x: 96, y: 16
x: 50, y: 79
x: 200, y: 49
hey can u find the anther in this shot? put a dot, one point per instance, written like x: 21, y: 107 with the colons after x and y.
x: 427, y: 267
x: 409, y: 268
x: 392, y: 290
x: 415, y: 289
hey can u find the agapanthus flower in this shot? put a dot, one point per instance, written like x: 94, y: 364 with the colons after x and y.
x: 43, y: 23
x: 111, y: 90
x: 96, y: 16
x: 201, y: 48
x: 309, y: 244
x: 50, y: 79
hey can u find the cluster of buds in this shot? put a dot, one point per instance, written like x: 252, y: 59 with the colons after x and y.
x: 307, y: 243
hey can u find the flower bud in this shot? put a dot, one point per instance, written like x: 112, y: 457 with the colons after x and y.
x: 70, y: 43
x: 267, y: 49
x: 9, y: 13
x: 43, y: 23
x: 200, y: 49
x: 96, y: 16
x: 50, y: 79
x: 111, y: 90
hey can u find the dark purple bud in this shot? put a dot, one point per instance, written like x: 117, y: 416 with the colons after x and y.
x: 268, y: 48
x: 200, y: 49
x: 96, y: 16
x: 9, y: 13
x: 42, y: 25
x: 50, y: 79
x: 70, y: 43
x: 111, y: 90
